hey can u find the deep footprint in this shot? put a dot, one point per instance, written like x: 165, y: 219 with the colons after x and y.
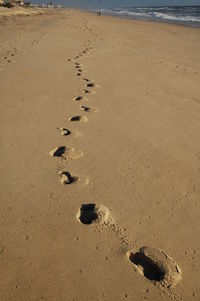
x: 66, y: 153
x: 85, y: 91
x: 78, y: 118
x: 64, y: 131
x: 80, y: 98
x: 156, y: 266
x: 86, y: 109
x: 75, y: 118
x: 90, y: 85
x: 86, y: 79
x: 66, y: 177
x: 93, y: 213
x: 58, y: 152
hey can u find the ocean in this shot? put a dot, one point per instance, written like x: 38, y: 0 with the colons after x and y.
x: 187, y: 15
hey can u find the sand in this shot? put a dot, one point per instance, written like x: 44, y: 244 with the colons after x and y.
x: 90, y: 179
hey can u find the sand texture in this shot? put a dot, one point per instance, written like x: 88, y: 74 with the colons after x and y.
x: 100, y: 159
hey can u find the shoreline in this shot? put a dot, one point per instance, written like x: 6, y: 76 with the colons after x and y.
x: 141, y: 21
x: 39, y: 9
x: 135, y: 19
x: 196, y: 25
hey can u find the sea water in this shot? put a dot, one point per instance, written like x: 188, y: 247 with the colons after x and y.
x: 188, y: 15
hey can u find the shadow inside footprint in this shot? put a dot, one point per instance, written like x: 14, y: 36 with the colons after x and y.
x: 88, y: 214
x: 75, y: 118
x: 64, y: 131
x: 86, y: 91
x: 66, y: 177
x: 151, y: 270
x: 90, y: 85
x: 86, y: 109
x: 59, y: 151
x: 93, y: 213
x: 156, y: 265
x: 66, y: 153
x: 78, y: 98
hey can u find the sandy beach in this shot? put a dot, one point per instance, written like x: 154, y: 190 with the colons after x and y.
x: 100, y: 158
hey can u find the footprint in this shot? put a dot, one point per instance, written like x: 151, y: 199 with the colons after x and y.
x: 79, y: 118
x: 73, y: 154
x: 84, y: 108
x: 93, y: 213
x: 156, y: 266
x: 79, y: 98
x: 87, y: 109
x: 66, y: 177
x: 91, y: 85
x: 85, y: 91
x: 64, y: 131
x: 2, y: 249
x: 86, y: 79
x: 78, y: 74
x: 85, y: 181
x: 58, y: 152
x: 66, y: 153
x: 79, y: 66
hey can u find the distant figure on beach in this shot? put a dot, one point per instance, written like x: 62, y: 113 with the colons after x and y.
x: 98, y: 13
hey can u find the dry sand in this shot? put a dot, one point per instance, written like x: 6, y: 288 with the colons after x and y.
x: 132, y: 151
x: 20, y: 11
